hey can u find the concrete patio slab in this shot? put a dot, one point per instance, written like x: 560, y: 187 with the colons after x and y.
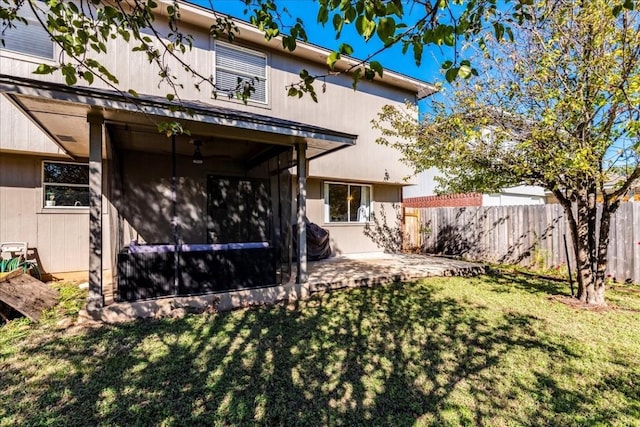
x: 342, y: 272
x: 326, y: 275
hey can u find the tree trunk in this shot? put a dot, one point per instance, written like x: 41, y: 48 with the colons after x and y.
x: 590, y: 274
x: 582, y: 249
x: 603, y: 249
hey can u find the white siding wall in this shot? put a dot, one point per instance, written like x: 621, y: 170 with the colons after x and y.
x: 511, y: 199
x: 425, y: 185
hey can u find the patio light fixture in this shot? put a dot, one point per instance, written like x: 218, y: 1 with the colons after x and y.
x: 197, y: 155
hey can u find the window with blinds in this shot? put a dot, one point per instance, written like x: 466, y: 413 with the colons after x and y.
x: 236, y: 66
x: 30, y: 38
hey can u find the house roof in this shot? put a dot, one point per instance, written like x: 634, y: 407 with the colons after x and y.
x: 61, y: 111
x: 202, y: 17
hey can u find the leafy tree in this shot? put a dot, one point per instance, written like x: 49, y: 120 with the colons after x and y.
x: 559, y: 107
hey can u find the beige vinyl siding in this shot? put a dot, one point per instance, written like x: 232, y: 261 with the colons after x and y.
x: 349, y: 237
x: 63, y: 241
x: 18, y: 199
x: 19, y: 133
x: 60, y: 236
x: 338, y: 108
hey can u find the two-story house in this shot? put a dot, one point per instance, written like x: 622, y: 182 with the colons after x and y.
x: 90, y: 183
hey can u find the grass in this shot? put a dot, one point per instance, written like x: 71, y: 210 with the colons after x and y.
x: 493, y: 350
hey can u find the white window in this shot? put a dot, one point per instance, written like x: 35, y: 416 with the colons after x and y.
x: 30, y: 38
x: 347, y: 202
x: 236, y: 66
x: 65, y: 184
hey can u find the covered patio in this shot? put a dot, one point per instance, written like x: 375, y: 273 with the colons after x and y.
x: 182, y: 215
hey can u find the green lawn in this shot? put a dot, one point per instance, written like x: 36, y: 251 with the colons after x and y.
x: 494, y: 350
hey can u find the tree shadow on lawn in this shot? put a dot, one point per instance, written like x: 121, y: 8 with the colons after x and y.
x: 391, y: 355
x: 530, y: 284
x: 564, y: 406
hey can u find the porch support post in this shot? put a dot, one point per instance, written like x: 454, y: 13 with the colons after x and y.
x: 174, y: 218
x: 301, y: 151
x: 95, y: 299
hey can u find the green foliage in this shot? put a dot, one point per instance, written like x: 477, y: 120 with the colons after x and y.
x: 15, y: 263
x: 9, y: 264
x: 83, y: 31
x: 172, y: 128
x: 304, y: 86
x: 556, y: 105
x: 532, y: 120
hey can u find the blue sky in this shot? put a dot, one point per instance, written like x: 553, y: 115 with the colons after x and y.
x: 307, y: 10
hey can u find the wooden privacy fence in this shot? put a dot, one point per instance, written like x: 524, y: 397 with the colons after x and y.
x: 523, y: 235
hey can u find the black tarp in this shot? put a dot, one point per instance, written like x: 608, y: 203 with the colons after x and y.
x: 318, y: 246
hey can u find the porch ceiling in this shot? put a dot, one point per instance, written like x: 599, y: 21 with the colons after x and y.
x: 61, y: 111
